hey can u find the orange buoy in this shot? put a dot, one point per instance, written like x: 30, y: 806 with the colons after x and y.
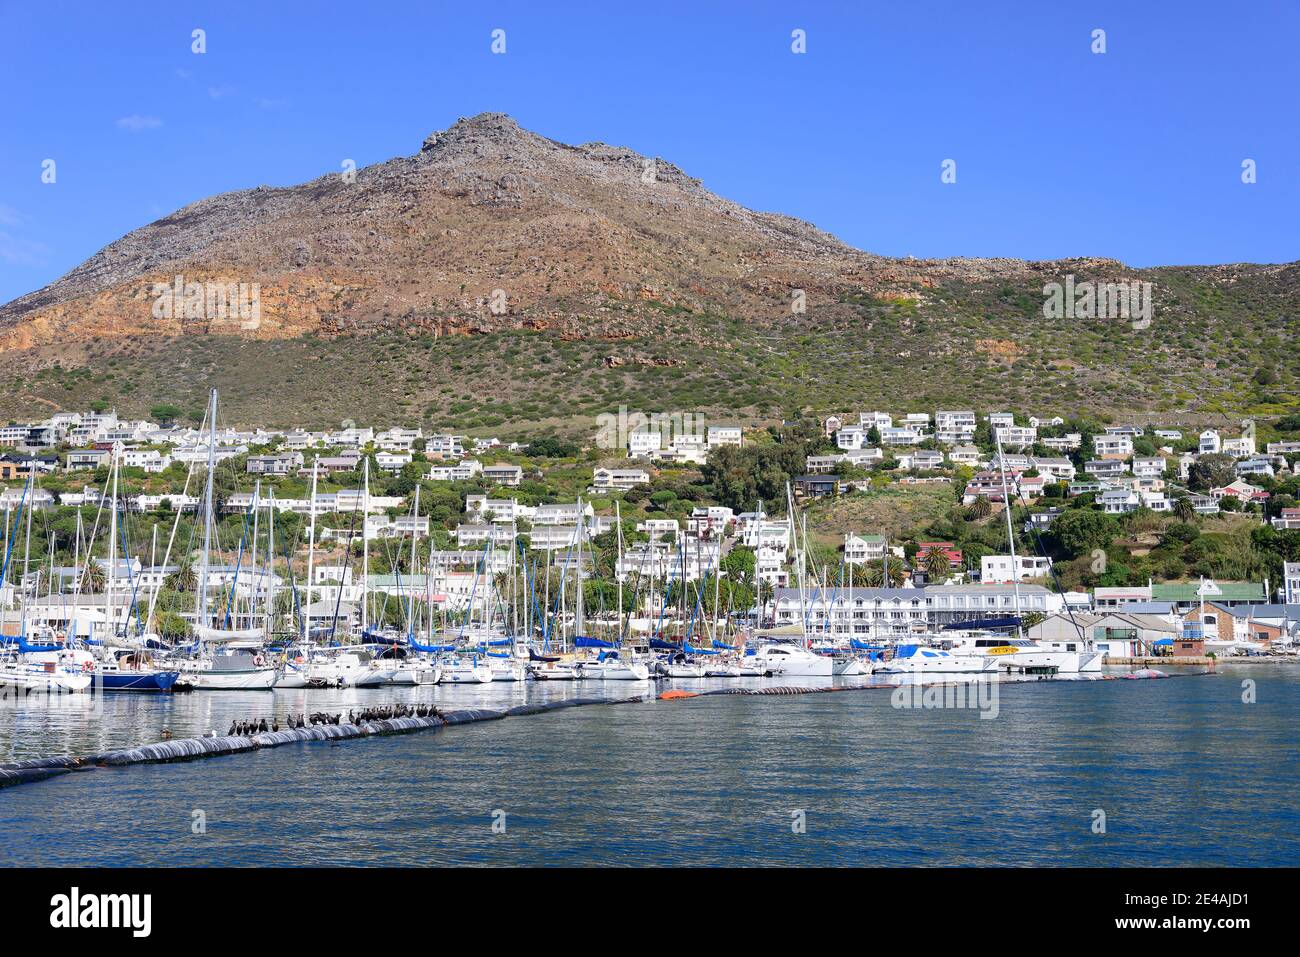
x: 673, y: 695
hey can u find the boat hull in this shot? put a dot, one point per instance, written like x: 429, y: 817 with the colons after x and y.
x: 261, y: 679
x: 137, y: 680
x: 42, y: 682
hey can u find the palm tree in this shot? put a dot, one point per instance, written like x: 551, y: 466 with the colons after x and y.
x: 1184, y: 510
x: 93, y: 577
x: 936, y: 565
x: 980, y: 508
x: 872, y: 574
x: 183, y: 579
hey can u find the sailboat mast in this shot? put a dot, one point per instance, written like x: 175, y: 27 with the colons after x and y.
x: 112, y: 551
x: 270, y: 565
x: 311, y: 551
x: 27, y: 545
x: 618, y: 564
x: 579, y: 618
x: 365, y: 545
x: 201, y: 598
x: 1011, y: 538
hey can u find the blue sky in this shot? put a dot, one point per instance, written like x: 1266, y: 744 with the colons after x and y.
x: 1135, y: 153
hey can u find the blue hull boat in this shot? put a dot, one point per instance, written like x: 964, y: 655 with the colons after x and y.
x: 137, y: 680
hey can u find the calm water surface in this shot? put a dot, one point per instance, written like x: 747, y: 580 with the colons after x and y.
x: 1185, y: 772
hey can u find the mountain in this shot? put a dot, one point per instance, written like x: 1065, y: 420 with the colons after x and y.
x: 498, y: 279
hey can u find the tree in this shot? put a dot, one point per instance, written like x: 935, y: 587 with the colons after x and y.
x: 1184, y: 510
x: 166, y: 412
x: 1212, y: 471
x: 980, y: 508
x: 1082, y: 530
x: 183, y: 579
x: 739, y: 565
x: 936, y: 565
x: 871, y: 574
x: 93, y: 578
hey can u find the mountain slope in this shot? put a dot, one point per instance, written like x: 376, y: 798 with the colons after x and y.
x: 498, y: 278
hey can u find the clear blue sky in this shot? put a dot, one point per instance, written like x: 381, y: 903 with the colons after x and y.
x: 1134, y: 154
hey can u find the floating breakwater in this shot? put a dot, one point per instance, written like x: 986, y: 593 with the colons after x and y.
x: 189, y: 749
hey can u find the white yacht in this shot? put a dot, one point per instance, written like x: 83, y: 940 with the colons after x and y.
x: 1012, y: 654
x: 413, y: 671
x: 552, y: 671
x: 42, y: 673
x: 237, y: 671
x: 508, y: 669
x: 918, y: 659
x: 793, y: 661
x: 464, y: 671
x: 611, y: 667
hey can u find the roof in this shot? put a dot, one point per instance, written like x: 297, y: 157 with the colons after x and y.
x: 1228, y: 591
x: 812, y: 593
x: 985, y: 589
x: 1149, y: 607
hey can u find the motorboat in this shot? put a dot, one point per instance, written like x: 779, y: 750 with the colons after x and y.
x: 1014, y: 654
x: 919, y: 659
x: 793, y: 661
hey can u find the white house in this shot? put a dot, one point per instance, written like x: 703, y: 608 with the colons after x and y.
x: 863, y: 548
x: 644, y: 444
x: 1112, y: 446
x: 999, y: 569
x: 606, y: 480
x: 723, y: 435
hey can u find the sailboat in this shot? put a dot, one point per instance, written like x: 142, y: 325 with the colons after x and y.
x: 32, y: 668
x: 789, y: 659
x: 609, y: 664
x: 133, y: 671
x: 218, y: 667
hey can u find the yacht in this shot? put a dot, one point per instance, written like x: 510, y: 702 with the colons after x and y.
x: 464, y: 671
x: 552, y: 671
x: 918, y: 659
x: 721, y: 668
x: 1013, y: 654
x: 611, y: 667
x: 235, y: 671
x: 43, y: 672
x: 679, y: 666
x: 793, y: 661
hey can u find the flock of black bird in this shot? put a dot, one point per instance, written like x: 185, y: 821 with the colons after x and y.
x: 246, y: 729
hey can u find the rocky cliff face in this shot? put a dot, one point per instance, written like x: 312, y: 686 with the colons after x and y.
x: 490, y: 229
x: 574, y: 236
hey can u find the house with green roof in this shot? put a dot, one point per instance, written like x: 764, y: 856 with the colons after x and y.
x: 1186, y: 595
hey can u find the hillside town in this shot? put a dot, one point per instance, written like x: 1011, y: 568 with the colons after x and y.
x: 649, y: 513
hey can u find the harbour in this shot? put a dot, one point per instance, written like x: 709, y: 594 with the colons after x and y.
x: 707, y: 780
